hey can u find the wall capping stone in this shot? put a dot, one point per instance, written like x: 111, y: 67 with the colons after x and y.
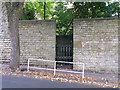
x: 90, y: 19
x: 37, y: 20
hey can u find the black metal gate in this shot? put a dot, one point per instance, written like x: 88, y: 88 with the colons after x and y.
x: 64, y: 53
x: 64, y: 49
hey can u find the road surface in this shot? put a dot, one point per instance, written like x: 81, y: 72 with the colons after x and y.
x: 25, y: 82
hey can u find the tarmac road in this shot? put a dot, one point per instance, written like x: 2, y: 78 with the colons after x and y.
x: 25, y: 82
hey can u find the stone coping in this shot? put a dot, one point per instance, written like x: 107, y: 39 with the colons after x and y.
x: 37, y: 20
x: 89, y: 19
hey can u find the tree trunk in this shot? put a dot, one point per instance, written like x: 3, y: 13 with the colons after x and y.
x: 15, y: 48
x: 14, y: 12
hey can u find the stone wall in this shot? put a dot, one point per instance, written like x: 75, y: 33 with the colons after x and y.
x: 96, y: 44
x: 4, y: 34
x: 37, y: 40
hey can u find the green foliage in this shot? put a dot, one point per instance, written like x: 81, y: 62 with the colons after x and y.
x: 96, y: 9
x: 35, y: 10
x: 64, y: 19
x: 114, y: 8
x: 29, y: 11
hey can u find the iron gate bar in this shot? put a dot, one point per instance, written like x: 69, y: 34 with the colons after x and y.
x: 64, y: 51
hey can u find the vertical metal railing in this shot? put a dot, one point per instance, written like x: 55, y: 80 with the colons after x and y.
x: 83, y: 72
x: 54, y: 68
x: 28, y: 67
